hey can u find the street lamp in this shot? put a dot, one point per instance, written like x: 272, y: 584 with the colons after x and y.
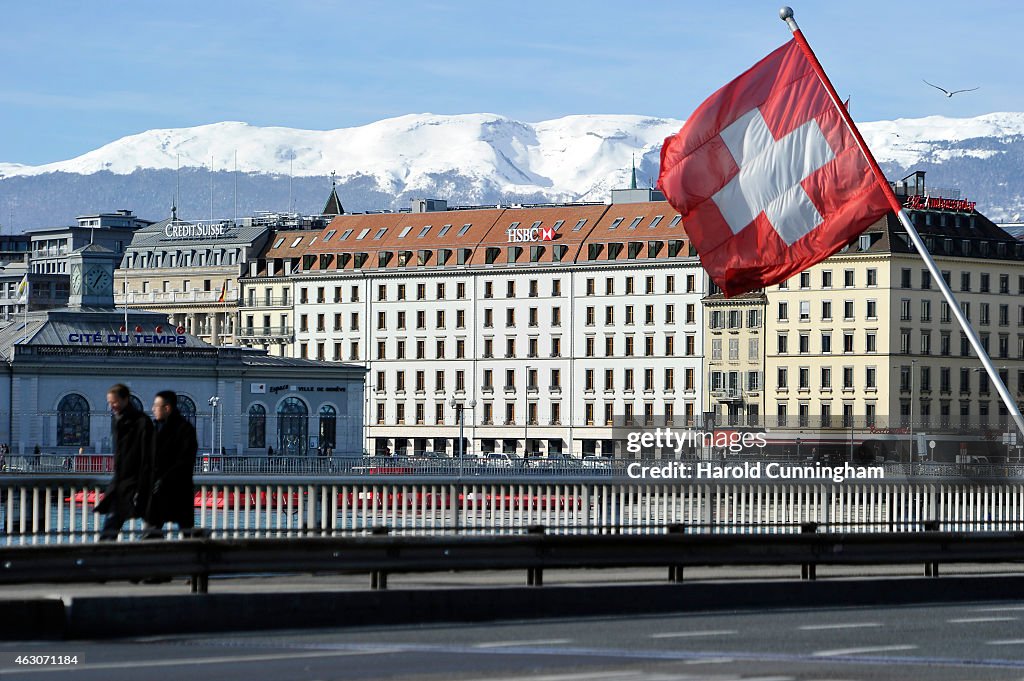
x: 526, y: 427
x: 913, y: 398
x: 462, y: 425
x: 214, y: 401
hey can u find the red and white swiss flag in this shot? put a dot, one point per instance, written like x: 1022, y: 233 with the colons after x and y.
x: 767, y: 176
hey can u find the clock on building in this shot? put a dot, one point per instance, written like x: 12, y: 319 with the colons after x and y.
x: 76, y: 279
x: 98, y: 280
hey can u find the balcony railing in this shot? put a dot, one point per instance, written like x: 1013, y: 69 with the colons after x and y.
x: 230, y: 297
x: 728, y: 394
x: 284, y: 301
x: 266, y: 332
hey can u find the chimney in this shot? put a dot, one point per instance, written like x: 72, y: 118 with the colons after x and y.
x: 429, y: 205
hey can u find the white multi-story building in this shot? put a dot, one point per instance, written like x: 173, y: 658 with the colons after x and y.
x: 531, y: 327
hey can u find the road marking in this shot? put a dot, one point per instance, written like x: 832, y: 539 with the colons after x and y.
x: 237, y: 659
x: 514, y: 644
x: 841, y: 652
x: 617, y: 676
x: 1004, y: 608
x: 850, y: 625
x: 712, y: 660
x: 689, y: 634
x: 979, y: 620
x: 1007, y: 642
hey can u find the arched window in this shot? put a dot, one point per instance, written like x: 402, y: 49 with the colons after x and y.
x: 73, y: 421
x: 258, y: 426
x: 292, y: 427
x: 328, y: 418
x: 187, y: 408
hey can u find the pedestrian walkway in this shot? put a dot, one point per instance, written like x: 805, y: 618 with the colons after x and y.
x: 498, y: 578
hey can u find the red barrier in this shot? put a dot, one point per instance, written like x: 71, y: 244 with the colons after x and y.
x: 365, y: 500
x: 416, y: 500
x: 93, y: 463
x: 219, y: 499
x: 92, y: 498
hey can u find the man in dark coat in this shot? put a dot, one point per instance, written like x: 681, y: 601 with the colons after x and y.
x: 132, y: 433
x: 171, y: 497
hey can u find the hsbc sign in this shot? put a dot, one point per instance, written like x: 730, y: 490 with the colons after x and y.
x: 518, y: 235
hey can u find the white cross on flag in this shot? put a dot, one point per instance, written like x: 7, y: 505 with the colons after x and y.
x: 767, y: 176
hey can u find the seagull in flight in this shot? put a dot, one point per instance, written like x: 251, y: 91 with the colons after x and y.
x: 947, y: 92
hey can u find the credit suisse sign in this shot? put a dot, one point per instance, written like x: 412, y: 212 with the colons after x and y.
x: 202, y: 229
x: 938, y: 203
x: 518, y: 235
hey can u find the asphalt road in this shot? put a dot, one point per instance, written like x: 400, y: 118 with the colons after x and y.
x: 961, y: 642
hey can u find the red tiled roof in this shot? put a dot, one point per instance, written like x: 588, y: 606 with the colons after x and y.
x: 640, y: 230
x: 528, y: 218
x: 394, y: 241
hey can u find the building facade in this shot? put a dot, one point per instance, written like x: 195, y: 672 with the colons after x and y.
x: 45, y: 291
x: 49, y: 248
x: 528, y: 329
x: 190, y: 270
x: 57, y: 368
x: 735, y: 358
x: 866, y: 337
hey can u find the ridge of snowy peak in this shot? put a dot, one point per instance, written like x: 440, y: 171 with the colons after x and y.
x: 587, y: 152
x: 945, y: 129
x: 572, y: 154
x: 409, y: 149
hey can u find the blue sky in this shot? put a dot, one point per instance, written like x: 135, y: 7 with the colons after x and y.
x: 77, y: 75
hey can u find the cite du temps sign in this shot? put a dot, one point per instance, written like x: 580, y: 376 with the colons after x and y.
x: 138, y: 338
x: 518, y: 235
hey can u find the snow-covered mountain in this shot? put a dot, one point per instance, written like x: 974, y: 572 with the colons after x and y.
x: 467, y: 159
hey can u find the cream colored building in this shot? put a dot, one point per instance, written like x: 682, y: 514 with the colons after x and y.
x: 734, y: 339
x: 267, y: 303
x: 189, y: 271
x: 867, y: 336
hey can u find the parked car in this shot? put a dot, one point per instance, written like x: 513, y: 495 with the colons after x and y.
x: 596, y: 462
x: 556, y: 462
x: 498, y: 460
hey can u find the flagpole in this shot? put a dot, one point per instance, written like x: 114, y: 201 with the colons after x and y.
x: 786, y: 14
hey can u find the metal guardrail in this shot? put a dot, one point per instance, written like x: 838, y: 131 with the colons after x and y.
x: 48, y: 509
x: 534, y: 552
x: 515, y: 468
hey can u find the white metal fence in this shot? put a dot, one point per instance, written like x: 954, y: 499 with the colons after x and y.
x: 42, y: 510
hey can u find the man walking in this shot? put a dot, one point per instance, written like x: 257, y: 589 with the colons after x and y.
x: 132, y: 433
x: 171, y: 497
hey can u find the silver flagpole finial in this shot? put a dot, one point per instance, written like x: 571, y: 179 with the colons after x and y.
x: 786, y: 14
